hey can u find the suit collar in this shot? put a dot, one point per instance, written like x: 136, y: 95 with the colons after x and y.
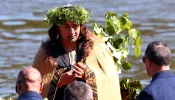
x: 162, y: 74
x: 31, y: 94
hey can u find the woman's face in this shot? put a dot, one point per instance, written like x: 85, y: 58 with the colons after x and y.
x: 69, y: 31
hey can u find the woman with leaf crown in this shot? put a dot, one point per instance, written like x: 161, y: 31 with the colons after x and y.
x: 73, y: 53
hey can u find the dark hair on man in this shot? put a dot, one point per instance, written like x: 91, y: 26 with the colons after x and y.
x: 78, y: 90
x: 158, y: 52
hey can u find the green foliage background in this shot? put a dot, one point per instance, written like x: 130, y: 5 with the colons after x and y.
x: 118, y: 35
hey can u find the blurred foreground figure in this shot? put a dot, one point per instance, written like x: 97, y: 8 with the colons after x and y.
x: 78, y: 90
x: 157, y: 61
x: 29, y: 85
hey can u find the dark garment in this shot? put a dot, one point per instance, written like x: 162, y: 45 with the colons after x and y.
x: 162, y: 87
x: 31, y: 95
x: 62, y: 58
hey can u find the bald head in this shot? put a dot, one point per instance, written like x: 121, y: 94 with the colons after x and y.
x: 29, y: 79
x: 30, y: 75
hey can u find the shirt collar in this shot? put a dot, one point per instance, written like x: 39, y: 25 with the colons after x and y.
x: 162, y: 74
x: 30, y: 94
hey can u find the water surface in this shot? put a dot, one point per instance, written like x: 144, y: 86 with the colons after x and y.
x: 22, y: 30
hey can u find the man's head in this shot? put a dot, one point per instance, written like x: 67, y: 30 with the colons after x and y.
x: 157, y: 54
x: 78, y: 90
x: 29, y: 79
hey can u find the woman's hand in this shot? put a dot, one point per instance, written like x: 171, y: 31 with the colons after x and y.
x: 79, y: 71
x: 66, y: 78
x: 69, y: 76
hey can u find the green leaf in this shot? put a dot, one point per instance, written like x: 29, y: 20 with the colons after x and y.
x: 130, y: 90
x: 110, y: 28
x: 109, y: 14
x: 126, y: 66
x: 125, y: 15
x: 98, y: 30
x: 126, y: 40
x: 45, y: 98
x: 125, y: 23
x: 135, y: 84
x: 111, y: 47
x: 133, y: 33
x: 138, y: 42
x: 117, y: 55
x: 124, y: 83
x: 137, y: 51
x: 105, y: 38
x: 112, y: 23
x: 125, y: 52
x: 117, y: 42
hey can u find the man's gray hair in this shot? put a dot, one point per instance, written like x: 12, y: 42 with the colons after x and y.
x: 78, y: 90
x: 159, y: 53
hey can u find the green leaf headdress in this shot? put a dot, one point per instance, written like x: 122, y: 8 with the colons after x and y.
x: 67, y: 13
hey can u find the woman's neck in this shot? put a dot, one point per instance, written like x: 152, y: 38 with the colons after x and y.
x: 69, y: 46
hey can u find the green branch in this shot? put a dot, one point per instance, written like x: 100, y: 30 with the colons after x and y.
x: 118, y: 35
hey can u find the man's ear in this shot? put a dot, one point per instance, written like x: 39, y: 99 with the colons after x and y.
x: 18, y: 87
x: 148, y: 63
x: 41, y: 87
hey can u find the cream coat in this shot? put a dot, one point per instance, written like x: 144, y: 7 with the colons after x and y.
x: 99, y: 61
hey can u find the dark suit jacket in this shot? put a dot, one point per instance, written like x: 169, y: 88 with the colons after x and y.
x: 31, y: 95
x: 162, y: 87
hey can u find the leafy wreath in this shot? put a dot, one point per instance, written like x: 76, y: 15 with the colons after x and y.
x: 67, y: 13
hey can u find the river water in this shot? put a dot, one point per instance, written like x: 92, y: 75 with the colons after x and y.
x: 22, y: 30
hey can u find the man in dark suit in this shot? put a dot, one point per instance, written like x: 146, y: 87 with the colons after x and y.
x: 29, y: 85
x: 157, y: 61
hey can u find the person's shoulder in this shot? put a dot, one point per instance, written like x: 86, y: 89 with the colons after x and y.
x: 158, y: 83
x: 30, y: 98
x: 145, y: 95
x: 98, y: 41
x: 41, y: 52
x: 151, y: 90
x: 40, y: 56
x: 31, y: 95
x: 152, y: 86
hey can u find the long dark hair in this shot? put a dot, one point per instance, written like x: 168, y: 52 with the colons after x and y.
x: 85, y: 41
